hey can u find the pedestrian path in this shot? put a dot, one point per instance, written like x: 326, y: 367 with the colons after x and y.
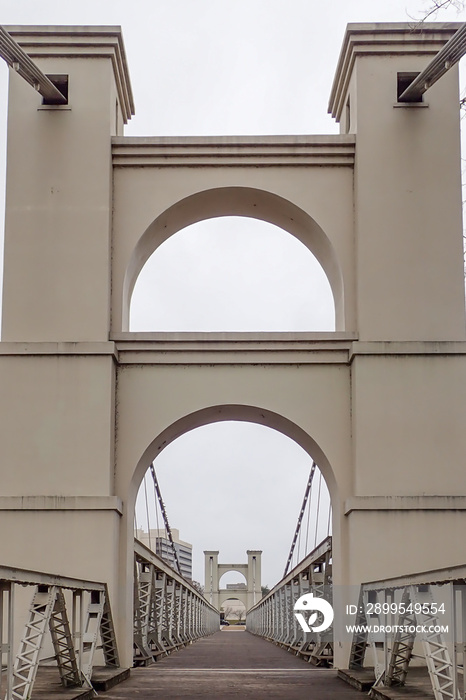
x: 231, y: 665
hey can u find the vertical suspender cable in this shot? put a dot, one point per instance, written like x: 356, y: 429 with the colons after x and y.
x: 211, y: 579
x: 318, y: 508
x: 157, y: 521
x: 299, y: 547
x: 329, y: 518
x: 147, y: 510
x: 154, y: 549
x: 307, y: 526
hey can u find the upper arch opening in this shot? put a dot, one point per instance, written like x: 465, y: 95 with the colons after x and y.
x: 231, y: 578
x: 232, y: 274
x: 237, y: 202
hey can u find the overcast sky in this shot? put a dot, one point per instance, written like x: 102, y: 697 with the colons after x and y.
x: 201, y: 67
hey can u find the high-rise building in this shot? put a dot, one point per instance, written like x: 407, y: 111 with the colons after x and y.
x: 158, y: 541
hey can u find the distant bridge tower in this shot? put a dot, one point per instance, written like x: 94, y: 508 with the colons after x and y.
x: 251, y: 571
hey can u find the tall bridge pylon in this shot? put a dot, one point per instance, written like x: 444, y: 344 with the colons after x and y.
x: 87, y: 405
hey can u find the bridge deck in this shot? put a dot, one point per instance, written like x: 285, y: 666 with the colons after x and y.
x: 232, y: 664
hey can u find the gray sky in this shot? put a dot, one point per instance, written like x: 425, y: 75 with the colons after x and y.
x: 201, y: 67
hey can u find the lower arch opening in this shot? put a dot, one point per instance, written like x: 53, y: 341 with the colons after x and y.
x: 233, y: 486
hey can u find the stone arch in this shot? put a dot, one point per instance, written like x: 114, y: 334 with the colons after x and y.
x: 237, y: 201
x: 232, y: 412
x: 234, y: 595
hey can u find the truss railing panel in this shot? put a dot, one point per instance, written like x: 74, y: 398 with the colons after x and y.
x: 169, y: 612
x: 425, y: 620
x: 56, y: 610
x: 274, y: 616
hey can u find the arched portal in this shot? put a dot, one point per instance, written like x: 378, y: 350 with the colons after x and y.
x: 204, y: 416
x: 234, y: 607
x: 231, y: 412
x: 236, y: 201
x: 235, y: 485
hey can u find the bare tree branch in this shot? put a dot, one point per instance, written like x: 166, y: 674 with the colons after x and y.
x: 437, y: 5
x: 227, y: 612
x: 240, y: 614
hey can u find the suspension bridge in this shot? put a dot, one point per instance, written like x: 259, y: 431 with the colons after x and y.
x: 379, y: 405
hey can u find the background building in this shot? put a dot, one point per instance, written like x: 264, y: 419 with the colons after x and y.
x: 158, y: 541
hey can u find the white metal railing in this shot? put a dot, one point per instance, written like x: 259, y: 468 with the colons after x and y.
x: 274, y: 616
x: 74, y: 637
x: 75, y: 614
x: 169, y: 612
x: 421, y: 617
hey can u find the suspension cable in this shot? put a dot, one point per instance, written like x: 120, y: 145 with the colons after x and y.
x: 329, y: 518
x: 449, y: 54
x: 165, y: 518
x: 300, y: 516
x: 19, y: 60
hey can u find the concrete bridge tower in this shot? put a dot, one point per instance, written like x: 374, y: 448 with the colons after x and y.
x: 86, y: 405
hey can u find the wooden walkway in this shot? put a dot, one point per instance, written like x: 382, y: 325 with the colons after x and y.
x: 232, y: 665
x: 418, y: 684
